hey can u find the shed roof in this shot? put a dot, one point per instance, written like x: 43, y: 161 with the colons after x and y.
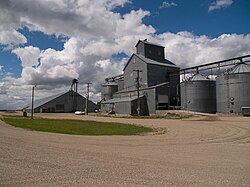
x: 45, y: 100
x: 164, y: 62
x: 120, y: 100
x: 141, y: 89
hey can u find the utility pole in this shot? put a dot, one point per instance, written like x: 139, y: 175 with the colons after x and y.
x: 138, y: 90
x: 32, y: 101
x: 87, y: 98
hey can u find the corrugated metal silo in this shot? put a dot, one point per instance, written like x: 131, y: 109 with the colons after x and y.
x: 108, y: 90
x: 233, y: 89
x: 199, y: 94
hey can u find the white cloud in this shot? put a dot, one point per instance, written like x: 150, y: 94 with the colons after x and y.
x: 28, y: 55
x: 1, y: 68
x: 218, y: 4
x: 11, y: 37
x: 166, y: 4
x: 186, y: 49
x: 78, y: 18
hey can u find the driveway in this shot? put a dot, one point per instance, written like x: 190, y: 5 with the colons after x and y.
x: 193, y: 152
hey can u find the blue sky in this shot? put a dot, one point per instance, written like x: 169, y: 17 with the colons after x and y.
x: 11, y: 62
x: 70, y: 40
x: 192, y: 16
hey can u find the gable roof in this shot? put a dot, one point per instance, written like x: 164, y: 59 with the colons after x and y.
x: 45, y: 100
x: 164, y: 62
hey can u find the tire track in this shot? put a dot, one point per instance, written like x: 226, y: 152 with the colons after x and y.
x: 231, y: 134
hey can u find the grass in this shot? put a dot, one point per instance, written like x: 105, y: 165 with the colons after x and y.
x: 77, y: 127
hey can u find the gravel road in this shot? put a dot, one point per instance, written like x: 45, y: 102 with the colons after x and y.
x: 192, y: 152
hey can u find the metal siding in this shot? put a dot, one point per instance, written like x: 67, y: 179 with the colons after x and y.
x: 199, y: 96
x: 130, y: 75
x: 236, y: 86
x: 175, y: 89
x: 69, y: 104
x: 149, y: 95
x: 144, y: 111
x: 162, y: 98
x: 123, y: 108
x: 151, y: 51
x: 159, y: 74
x: 140, y: 49
x: 120, y: 84
x: 184, y: 99
x: 108, y: 91
x: 104, y: 108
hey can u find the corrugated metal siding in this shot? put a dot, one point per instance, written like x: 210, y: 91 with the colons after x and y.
x: 108, y: 90
x: 148, y: 93
x: 120, y: 84
x: 71, y: 101
x: 159, y: 74
x: 123, y: 107
x: 140, y: 48
x: 199, y: 96
x: 130, y: 75
x: 233, y: 92
x: 154, y: 52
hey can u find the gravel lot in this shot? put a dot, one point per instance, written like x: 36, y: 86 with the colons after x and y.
x: 203, y: 151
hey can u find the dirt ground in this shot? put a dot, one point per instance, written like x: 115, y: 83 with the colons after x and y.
x: 201, y: 151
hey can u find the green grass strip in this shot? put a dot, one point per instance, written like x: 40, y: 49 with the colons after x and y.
x: 77, y: 127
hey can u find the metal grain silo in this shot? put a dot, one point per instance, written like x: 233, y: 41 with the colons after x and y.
x: 198, y: 94
x: 108, y: 90
x: 233, y: 89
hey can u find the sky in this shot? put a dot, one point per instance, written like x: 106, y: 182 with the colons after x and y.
x: 51, y: 42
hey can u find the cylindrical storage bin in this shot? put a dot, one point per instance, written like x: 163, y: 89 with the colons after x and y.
x: 233, y: 90
x: 198, y: 94
x: 108, y: 90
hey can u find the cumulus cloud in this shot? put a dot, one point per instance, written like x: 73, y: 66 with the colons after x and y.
x: 95, y: 34
x: 9, y: 36
x: 186, y: 49
x: 218, y: 4
x: 166, y: 4
x: 12, y: 37
x: 76, y: 18
x: 28, y: 55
